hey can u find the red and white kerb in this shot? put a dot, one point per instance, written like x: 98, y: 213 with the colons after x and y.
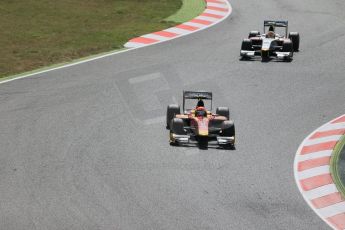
x: 313, y: 176
x: 216, y: 11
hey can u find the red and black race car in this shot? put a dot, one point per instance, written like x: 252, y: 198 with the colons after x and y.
x: 197, y: 124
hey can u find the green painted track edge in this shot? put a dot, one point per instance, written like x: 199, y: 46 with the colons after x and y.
x: 189, y: 10
x: 334, y: 163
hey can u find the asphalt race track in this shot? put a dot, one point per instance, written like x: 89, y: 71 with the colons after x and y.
x: 85, y: 147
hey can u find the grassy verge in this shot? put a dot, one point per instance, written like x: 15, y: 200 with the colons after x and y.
x: 38, y: 33
x: 189, y: 10
x: 338, y: 166
x: 60, y: 64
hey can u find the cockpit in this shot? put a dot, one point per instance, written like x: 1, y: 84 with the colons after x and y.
x: 200, y: 113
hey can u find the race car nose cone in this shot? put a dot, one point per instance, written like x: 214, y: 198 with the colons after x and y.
x: 203, y: 133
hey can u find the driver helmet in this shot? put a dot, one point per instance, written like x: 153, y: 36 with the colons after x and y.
x: 200, y: 111
x: 270, y: 34
x: 200, y: 103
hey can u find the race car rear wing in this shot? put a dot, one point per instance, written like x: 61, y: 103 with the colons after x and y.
x: 276, y: 23
x: 199, y: 95
x: 284, y: 24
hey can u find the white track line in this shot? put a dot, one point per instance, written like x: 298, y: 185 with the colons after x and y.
x: 143, y: 78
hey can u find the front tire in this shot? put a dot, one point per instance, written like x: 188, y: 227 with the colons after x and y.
x: 247, y: 44
x: 228, y: 129
x: 288, y: 47
x: 176, y: 127
x: 295, y: 38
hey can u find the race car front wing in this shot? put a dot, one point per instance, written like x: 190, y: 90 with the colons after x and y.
x: 252, y: 53
x: 185, y: 139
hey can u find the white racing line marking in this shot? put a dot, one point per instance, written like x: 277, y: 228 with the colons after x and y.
x: 313, y: 176
x: 147, y: 96
x: 143, y: 78
x: 225, y: 14
x: 154, y: 120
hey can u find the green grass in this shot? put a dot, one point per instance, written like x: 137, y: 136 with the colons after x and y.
x: 335, y: 165
x: 60, y: 64
x: 189, y: 10
x: 39, y: 33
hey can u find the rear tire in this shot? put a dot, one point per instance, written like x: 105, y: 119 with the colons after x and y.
x: 223, y: 111
x: 253, y: 34
x: 172, y: 110
x: 294, y: 37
